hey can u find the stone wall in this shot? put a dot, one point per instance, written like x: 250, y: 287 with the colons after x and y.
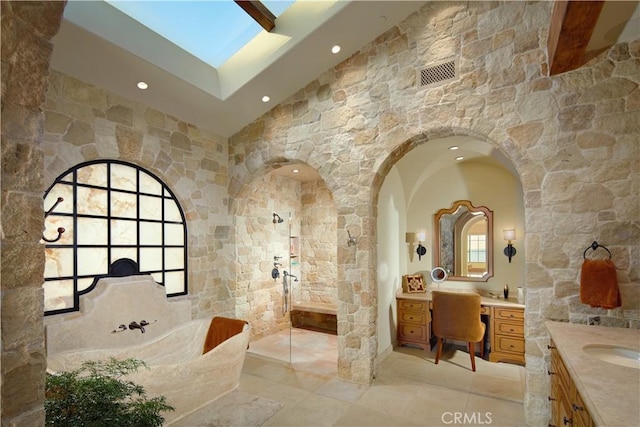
x: 309, y: 216
x: 572, y: 139
x: 84, y: 122
x: 318, y: 245
x: 259, y: 297
x: 27, y: 28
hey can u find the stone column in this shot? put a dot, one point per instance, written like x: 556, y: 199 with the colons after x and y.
x: 27, y: 28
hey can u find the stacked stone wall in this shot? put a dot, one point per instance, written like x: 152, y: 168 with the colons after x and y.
x: 259, y: 298
x: 572, y: 139
x: 318, y: 245
x: 27, y: 28
x: 84, y: 122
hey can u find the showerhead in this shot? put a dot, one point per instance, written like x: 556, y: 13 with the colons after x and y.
x: 277, y: 219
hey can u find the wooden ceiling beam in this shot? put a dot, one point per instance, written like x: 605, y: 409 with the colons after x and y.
x: 259, y: 12
x: 572, y: 24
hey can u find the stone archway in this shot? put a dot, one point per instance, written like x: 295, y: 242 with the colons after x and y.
x: 408, y: 194
x: 286, y: 222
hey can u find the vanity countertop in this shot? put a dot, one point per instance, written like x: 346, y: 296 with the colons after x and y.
x: 610, y: 392
x: 485, y: 300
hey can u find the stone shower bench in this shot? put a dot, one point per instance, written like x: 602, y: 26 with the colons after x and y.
x: 316, y: 316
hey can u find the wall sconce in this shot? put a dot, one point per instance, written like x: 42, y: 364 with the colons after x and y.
x: 509, y: 235
x: 421, y: 250
x: 418, y: 238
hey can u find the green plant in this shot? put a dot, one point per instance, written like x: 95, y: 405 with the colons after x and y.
x: 96, y: 395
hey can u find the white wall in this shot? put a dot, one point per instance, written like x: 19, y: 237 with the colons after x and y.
x: 392, y: 256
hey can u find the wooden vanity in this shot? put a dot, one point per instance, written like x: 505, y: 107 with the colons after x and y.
x: 505, y: 321
x: 585, y: 390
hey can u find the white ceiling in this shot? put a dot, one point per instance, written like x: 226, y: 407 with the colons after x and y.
x: 226, y: 99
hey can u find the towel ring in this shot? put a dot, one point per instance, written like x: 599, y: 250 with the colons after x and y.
x: 595, y: 246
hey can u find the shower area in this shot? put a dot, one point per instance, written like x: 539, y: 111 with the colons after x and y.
x: 286, y: 287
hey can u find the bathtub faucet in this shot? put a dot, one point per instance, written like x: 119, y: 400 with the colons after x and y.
x: 136, y: 325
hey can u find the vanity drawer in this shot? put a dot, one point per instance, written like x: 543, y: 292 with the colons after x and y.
x: 582, y: 417
x: 412, y: 332
x: 509, y: 314
x: 412, y: 305
x: 510, y: 329
x: 512, y: 345
x: 414, y: 317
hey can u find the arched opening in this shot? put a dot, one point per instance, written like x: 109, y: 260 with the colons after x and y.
x: 425, y: 178
x: 286, y: 245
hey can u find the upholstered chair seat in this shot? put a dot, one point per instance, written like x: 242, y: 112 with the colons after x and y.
x: 456, y: 316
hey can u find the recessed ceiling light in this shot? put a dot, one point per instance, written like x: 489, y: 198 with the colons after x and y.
x: 459, y: 158
x: 142, y: 85
x: 454, y: 147
x: 335, y: 49
x: 266, y: 99
x: 296, y: 170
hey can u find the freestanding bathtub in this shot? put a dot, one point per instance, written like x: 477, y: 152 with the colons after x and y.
x: 177, y: 369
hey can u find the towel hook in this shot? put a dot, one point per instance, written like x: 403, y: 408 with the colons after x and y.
x: 60, y: 229
x: 595, y: 245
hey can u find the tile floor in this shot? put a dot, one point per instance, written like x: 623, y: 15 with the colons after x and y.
x: 409, y: 390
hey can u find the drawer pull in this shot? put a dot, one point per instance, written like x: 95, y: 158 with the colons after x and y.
x: 551, y: 399
x: 576, y: 407
x: 551, y: 373
x: 550, y: 347
x: 511, y: 330
x: 566, y: 420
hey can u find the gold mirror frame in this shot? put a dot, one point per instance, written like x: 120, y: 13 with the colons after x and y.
x: 455, y: 276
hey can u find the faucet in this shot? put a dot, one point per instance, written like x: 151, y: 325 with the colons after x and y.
x: 135, y: 325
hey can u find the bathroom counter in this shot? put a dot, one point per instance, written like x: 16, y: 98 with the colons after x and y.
x: 610, y: 392
x: 485, y: 300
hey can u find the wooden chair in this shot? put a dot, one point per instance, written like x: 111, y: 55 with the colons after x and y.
x: 456, y: 316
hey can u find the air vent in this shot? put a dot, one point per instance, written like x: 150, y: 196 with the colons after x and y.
x: 438, y: 73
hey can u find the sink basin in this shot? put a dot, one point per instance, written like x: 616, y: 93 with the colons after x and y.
x: 616, y: 355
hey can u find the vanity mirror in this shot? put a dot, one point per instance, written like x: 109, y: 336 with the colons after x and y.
x: 463, y: 241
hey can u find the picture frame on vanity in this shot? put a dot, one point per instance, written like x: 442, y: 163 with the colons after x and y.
x: 413, y: 283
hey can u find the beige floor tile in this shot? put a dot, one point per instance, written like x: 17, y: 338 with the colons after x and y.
x: 314, y: 410
x: 282, y: 393
x: 409, y: 388
x: 388, y: 400
x: 503, y: 413
x: 342, y: 390
x: 432, y: 405
x: 499, y: 387
x: 358, y: 416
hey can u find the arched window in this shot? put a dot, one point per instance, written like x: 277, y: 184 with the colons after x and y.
x: 118, y: 220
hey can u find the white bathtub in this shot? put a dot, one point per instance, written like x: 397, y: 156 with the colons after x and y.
x: 177, y: 368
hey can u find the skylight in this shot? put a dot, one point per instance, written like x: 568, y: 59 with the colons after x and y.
x: 212, y: 31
